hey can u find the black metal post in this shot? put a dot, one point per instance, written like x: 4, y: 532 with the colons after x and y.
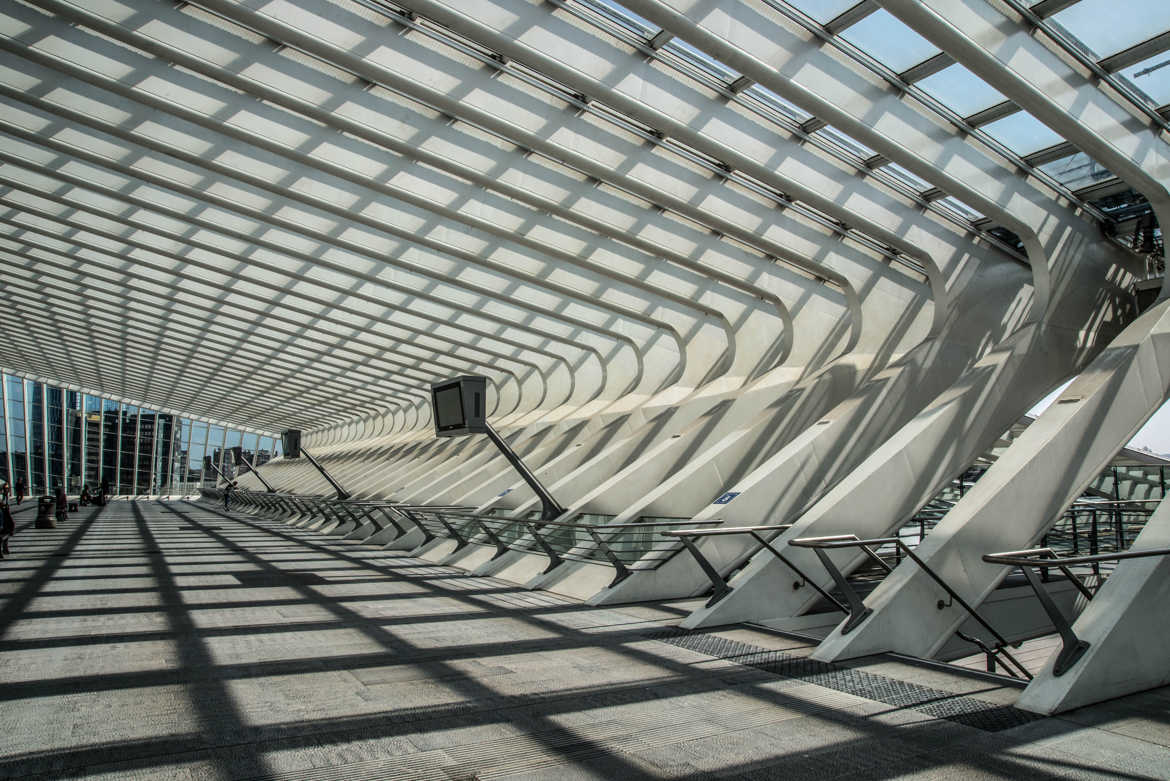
x: 253, y: 470
x: 858, y: 612
x: 341, y: 492
x: 1117, y: 508
x: 211, y: 463
x: 1094, y: 549
x: 550, y: 509
x: 1072, y: 647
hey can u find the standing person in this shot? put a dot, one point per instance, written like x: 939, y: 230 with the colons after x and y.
x: 62, y: 503
x: 105, y: 490
x: 21, y: 489
x: 83, y: 500
x: 227, y: 495
x: 7, y: 524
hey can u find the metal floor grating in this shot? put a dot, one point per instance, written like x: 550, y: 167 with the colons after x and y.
x: 880, y: 688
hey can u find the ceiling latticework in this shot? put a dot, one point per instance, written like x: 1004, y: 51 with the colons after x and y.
x: 290, y: 212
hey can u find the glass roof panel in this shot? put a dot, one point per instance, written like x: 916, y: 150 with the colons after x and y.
x: 852, y: 144
x: 1151, y: 76
x: 907, y: 176
x: 767, y: 96
x: 956, y: 205
x: 1077, y: 171
x: 1022, y: 133
x: 625, y: 17
x: 961, y: 90
x: 701, y: 59
x: 888, y: 40
x: 1107, y: 27
x: 1121, y: 206
x: 823, y: 10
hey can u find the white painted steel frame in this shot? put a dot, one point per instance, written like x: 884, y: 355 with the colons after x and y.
x: 300, y: 212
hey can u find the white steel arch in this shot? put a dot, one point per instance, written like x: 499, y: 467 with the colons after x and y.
x: 701, y: 249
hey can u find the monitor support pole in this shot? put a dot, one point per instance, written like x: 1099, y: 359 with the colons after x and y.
x: 253, y: 470
x: 215, y: 469
x: 550, y: 510
x: 341, y: 492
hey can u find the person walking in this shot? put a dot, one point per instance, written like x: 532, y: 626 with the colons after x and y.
x: 21, y: 489
x: 227, y: 495
x: 83, y: 499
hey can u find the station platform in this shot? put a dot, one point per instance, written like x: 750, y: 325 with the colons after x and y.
x: 156, y: 639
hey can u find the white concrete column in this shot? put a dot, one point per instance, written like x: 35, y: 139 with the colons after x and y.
x: 1021, y: 495
x: 1126, y: 628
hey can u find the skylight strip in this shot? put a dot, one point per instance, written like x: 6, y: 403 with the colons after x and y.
x: 845, y: 152
x: 1076, y: 51
x: 764, y: 255
x: 540, y: 81
x: 931, y: 103
x: 278, y: 285
x: 1150, y: 47
x: 217, y: 317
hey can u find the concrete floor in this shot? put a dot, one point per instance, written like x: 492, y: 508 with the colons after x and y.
x: 168, y: 640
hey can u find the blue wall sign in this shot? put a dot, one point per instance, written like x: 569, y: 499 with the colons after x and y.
x: 727, y: 497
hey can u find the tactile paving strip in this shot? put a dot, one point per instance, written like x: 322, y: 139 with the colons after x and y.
x: 880, y: 688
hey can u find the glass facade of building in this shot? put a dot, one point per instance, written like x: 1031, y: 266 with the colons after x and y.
x: 51, y: 435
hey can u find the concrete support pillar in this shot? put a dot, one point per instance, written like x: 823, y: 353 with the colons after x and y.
x: 1021, y: 496
x: 903, y: 471
x: 1127, y: 631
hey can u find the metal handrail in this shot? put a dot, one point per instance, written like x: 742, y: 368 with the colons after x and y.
x: 570, y: 525
x: 599, y: 534
x: 1033, y: 559
x: 1024, y: 558
x: 1082, y: 505
x: 726, y: 530
x: 720, y: 587
x: 1110, y: 523
x: 858, y: 611
x: 407, y: 515
x: 463, y: 526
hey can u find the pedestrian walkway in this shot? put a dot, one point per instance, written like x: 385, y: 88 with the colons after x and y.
x: 171, y: 640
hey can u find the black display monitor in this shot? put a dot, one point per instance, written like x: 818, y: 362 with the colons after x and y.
x: 290, y: 441
x: 460, y: 406
x: 206, y: 465
x: 237, y: 455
